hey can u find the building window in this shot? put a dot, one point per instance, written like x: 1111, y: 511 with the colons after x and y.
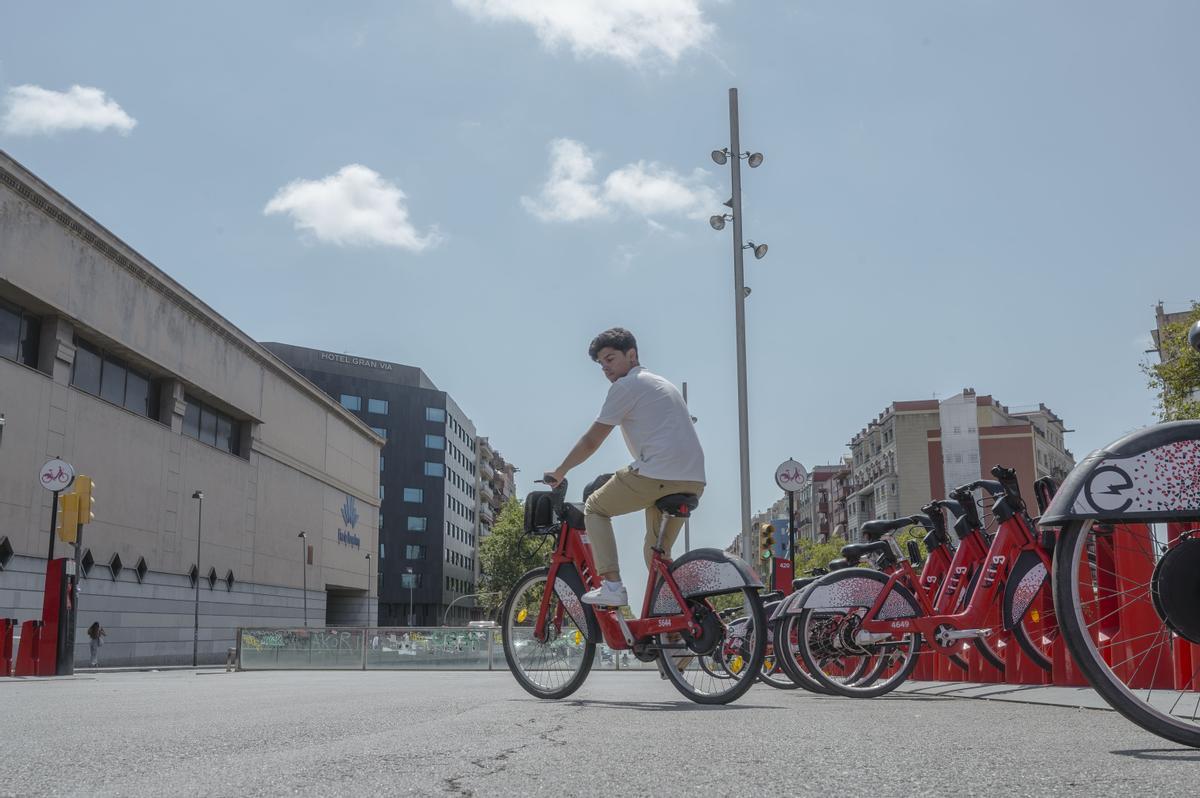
x: 416, y: 523
x: 113, y: 380
x: 381, y: 550
x: 435, y: 414
x: 380, y: 431
x: 19, y: 334
x: 414, y: 495
x: 410, y: 580
x: 381, y: 463
x: 414, y: 552
x: 381, y: 491
x: 435, y: 470
x: 210, y: 426
x: 435, y: 442
x: 351, y: 402
x: 379, y: 406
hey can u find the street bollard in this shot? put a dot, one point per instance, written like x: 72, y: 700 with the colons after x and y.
x: 7, y: 627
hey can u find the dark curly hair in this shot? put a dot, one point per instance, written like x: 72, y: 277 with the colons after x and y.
x: 618, y: 338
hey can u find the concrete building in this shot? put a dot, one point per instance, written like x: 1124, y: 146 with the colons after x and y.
x: 110, y: 364
x: 821, y: 511
x: 497, y: 484
x: 428, y: 482
x: 914, y: 451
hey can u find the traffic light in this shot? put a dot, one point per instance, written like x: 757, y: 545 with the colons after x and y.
x: 767, y: 540
x: 87, y: 502
x: 68, y: 517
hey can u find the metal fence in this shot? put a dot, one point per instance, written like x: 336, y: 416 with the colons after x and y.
x: 391, y: 648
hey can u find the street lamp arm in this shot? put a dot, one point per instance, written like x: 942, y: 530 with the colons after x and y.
x: 446, y: 614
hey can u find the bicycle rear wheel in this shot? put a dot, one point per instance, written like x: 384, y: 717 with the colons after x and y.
x: 838, y: 664
x: 553, y: 667
x: 1127, y: 610
x: 740, y: 654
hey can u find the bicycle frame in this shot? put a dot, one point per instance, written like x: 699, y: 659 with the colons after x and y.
x: 1013, y: 538
x: 573, y: 548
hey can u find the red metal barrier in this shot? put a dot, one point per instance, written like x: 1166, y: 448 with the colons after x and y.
x: 28, y: 654
x: 7, y: 627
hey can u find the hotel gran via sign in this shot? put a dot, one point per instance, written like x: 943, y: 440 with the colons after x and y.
x: 350, y: 360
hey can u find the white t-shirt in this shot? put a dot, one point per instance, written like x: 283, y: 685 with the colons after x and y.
x: 657, y: 426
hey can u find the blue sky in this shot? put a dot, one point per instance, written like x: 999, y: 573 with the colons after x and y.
x: 984, y: 194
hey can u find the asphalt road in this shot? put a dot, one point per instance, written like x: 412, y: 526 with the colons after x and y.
x: 622, y: 734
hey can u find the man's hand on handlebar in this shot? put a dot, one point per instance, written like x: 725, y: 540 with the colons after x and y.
x: 552, y: 478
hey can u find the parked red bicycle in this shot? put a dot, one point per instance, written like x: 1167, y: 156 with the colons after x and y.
x: 550, y: 635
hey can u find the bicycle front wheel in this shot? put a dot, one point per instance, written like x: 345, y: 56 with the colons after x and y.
x: 1125, y: 599
x: 554, y: 665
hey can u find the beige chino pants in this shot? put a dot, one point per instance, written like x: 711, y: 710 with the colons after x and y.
x: 628, y: 492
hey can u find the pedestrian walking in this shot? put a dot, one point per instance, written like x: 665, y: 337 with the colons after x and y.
x: 96, y: 633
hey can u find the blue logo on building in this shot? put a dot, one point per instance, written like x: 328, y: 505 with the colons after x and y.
x: 349, y: 518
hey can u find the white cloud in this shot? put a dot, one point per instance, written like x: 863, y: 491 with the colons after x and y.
x: 567, y: 196
x: 32, y: 110
x: 571, y: 193
x: 355, y: 207
x: 631, y: 31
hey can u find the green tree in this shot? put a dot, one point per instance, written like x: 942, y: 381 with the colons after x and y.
x: 1176, y: 380
x: 507, y: 553
x: 812, y: 554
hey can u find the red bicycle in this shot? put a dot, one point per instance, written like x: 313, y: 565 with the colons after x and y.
x: 550, y: 635
x: 862, y: 613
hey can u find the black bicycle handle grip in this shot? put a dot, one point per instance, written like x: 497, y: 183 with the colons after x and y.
x: 990, y: 485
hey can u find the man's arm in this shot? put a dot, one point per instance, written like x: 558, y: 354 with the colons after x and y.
x: 582, y: 450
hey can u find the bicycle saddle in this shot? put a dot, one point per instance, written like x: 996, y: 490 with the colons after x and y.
x: 856, y: 551
x: 838, y: 564
x: 679, y: 505
x: 874, y: 530
x: 803, y: 582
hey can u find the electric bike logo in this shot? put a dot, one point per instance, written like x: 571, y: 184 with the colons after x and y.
x: 993, y: 567
x: 1106, y: 488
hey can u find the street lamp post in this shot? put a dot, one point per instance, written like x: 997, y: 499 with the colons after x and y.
x: 411, y: 580
x: 199, y: 497
x: 368, y: 610
x: 304, y: 571
x: 734, y: 156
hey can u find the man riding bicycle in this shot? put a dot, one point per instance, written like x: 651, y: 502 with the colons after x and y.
x: 667, y: 456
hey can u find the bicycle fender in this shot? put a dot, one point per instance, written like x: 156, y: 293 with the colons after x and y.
x: 703, y: 572
x: 1026, y: 577
x: 859, y: 587
x: 1149, y: 475
x: 568, y: 586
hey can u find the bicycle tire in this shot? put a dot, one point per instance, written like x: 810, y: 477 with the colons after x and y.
x: 1070, y: 608
x: 750, y: 666
x: 509, y: 637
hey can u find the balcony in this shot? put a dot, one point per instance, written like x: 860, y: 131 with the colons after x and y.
x: 486, y: 515
x: 485, y: 468
x: 486, y: 491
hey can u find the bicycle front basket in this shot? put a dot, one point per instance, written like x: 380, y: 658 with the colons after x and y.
x: 539, y: 513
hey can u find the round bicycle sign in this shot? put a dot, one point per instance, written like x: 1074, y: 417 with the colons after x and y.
x: 790, y: 476
x: 56, y: 475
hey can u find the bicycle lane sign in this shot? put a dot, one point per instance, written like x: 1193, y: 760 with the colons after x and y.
x: 56, y: 475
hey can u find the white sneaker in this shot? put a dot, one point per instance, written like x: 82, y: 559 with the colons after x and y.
x: 604, y: 597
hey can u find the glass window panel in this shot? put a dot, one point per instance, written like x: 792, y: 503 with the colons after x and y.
x: 380, y: 431
x: 86, y: 374
x: 435, y: 442
x: 381, y: 491
x: 414, y: 495
x: 31, y: 332
x: 208, y: 426
x: 435, y: 470
x: 10, y: 331
x: 416, y: 523
x: 112, y: 382
x: 137, y: 393
x: 379, y: 406
x: 191, y: 418
x: 225, y: 433
x: 351, y: 402
x: 436, y: 414
x: 381, y: 462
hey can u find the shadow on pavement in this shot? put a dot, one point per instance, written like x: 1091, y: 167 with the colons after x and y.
x: 662, y: 706
x: 1162, y: 754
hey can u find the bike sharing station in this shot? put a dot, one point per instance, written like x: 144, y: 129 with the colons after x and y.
x: 46, y: 647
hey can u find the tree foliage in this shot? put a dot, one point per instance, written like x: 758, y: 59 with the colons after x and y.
x: 1176, y: 380
x: 507, y: 553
